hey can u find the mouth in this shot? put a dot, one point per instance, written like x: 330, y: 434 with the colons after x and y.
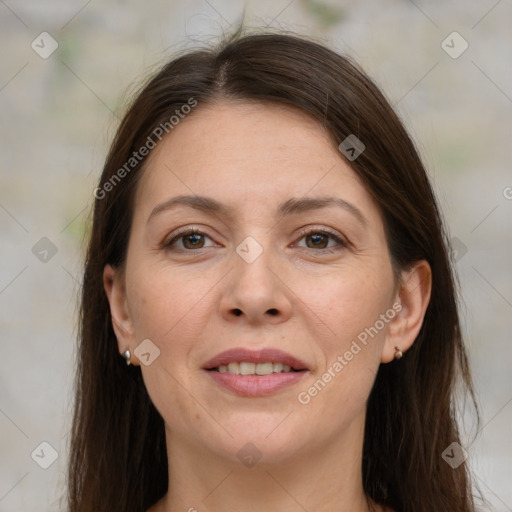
x: 255, y: 373
x: 248, y: 368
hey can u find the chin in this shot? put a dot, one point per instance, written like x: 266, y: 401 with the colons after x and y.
x: 261, y: 438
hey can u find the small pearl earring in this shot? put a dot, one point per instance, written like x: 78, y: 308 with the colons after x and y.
x: 398, y: 353
x: 127, y: 356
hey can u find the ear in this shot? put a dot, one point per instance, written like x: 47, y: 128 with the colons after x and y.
x: 411, y: 303
x: 113, y: 282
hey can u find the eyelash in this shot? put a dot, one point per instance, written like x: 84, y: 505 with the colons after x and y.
x: 193, y: 231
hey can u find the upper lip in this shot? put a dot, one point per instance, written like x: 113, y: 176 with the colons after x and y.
x: 238, y: 355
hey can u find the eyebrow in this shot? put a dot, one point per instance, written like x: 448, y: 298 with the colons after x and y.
x: 289, y: 207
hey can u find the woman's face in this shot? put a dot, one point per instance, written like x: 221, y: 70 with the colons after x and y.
x: 289, y: 265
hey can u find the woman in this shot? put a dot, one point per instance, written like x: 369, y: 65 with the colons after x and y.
x: 267, y: 256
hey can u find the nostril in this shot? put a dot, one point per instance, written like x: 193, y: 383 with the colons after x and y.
x: 272, y: 311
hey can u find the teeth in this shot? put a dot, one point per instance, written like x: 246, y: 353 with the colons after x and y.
x: 278, y: 367
x: 234, y: 368
x: 246, y: 368
x: 264, y: 368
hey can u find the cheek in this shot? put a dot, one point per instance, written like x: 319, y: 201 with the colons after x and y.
x: 168, y: 305
x: 172, y: 310
x: 351, y: 307
x: 348, y: 302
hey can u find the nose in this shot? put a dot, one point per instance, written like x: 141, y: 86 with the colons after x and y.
x: 256, y: 293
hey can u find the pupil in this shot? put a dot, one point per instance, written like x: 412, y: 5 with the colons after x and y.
x: 193, y: 239
x: 316, y: 239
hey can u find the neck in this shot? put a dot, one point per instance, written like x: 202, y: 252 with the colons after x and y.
x: 321, y: 478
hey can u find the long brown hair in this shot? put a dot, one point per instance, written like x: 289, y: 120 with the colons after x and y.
x: 118, y: 459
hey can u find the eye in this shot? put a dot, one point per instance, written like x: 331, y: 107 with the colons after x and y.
x: 189, y: 239
x: 319, y: 239
x: 193, y: 239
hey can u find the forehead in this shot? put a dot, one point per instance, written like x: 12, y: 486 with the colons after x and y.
x: 249, y: 155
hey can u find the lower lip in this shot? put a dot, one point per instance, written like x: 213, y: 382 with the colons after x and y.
x: 256, y: 385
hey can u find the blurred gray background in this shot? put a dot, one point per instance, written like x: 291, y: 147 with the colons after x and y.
x: 60, y: 106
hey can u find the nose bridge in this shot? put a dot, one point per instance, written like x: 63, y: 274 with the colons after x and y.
x: 250, y: 250
x: 253, y: 265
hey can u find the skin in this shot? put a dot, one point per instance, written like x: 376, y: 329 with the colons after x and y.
x: 306, y: 295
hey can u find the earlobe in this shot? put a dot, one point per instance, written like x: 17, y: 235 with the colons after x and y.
x: 413, y: 298
x: 113, y: 283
